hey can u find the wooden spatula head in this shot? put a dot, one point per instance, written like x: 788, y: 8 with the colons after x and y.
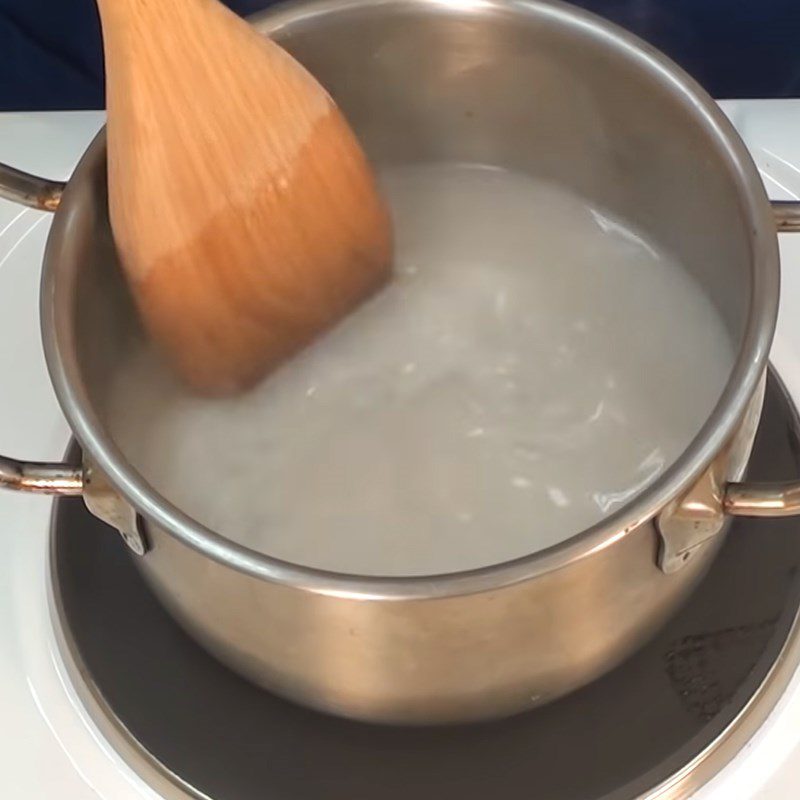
x: 246, y: 216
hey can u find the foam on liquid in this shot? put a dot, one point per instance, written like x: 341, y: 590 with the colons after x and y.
x: 534, y: 365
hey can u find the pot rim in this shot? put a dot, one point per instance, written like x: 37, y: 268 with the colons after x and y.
x: 742, y: 383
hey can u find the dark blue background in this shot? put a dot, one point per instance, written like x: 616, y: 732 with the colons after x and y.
x: 51, y: 58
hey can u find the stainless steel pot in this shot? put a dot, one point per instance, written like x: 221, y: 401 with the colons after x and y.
x: 528, y: 85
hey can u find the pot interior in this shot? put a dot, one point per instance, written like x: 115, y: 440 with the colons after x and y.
x: 517, y: 86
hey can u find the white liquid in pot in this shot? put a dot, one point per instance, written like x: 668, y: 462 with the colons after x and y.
x: 534, y: 365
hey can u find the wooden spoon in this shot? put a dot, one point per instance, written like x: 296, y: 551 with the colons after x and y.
x: 245, y: 214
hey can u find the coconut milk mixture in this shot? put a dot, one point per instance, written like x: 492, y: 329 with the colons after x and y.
x: 535, y: 364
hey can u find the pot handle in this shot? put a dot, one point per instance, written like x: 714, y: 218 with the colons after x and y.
x: 762, y: 499
x: 787, y: 215
x: 35, y: 476
x: 768, y: 499
x: 28, y: 190
x: 41, y: 477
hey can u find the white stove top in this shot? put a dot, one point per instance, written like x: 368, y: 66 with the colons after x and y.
x: 51, y: 749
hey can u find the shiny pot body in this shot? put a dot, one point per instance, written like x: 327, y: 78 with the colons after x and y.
x: 530, y: 86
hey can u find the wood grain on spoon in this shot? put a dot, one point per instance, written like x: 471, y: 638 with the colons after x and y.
x: 246, y: 216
